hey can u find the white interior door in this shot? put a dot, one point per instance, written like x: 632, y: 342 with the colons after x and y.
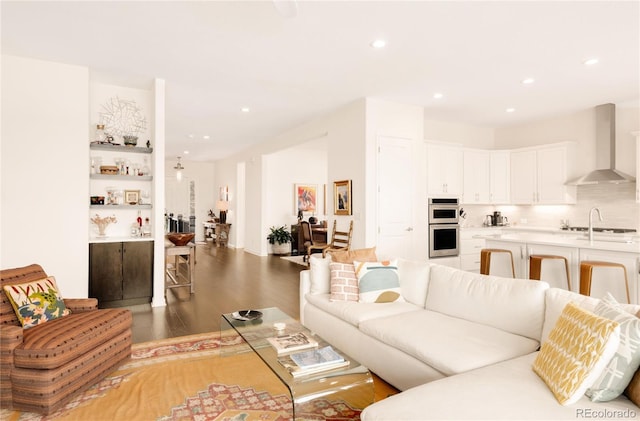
x: 395, y: 197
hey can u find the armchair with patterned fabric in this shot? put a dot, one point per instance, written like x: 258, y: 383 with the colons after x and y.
x: 53, y: 348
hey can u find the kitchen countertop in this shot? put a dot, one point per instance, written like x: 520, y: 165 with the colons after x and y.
x: 628, y: 243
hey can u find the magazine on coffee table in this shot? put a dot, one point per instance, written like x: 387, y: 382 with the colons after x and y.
x: 313, y: 361
x: 291, y: 342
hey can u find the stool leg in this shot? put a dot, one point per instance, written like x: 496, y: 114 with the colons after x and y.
x: 585, y: 279
x: 566, y: 268
x: 535, y: 267
x: 484, y: 262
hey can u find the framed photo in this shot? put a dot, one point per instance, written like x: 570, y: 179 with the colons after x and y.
x: 132, y: 197
x: 306, y: 197
x: 342, y: 197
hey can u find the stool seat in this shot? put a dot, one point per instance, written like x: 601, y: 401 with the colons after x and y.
x: 535, y: 266
x: 586, y: 275
x: 485, y: 262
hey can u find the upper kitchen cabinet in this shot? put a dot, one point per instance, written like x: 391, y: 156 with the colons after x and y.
x: 539, y: 174
x: 637, y: 135
x: 444, y: 170
x: 476, y: 177
x: 486, y: 177
x: 500, y: 177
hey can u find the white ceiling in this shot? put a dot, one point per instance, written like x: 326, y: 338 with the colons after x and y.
x: 218, y: 57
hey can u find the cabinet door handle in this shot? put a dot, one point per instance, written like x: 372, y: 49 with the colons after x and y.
x: 409, y: 229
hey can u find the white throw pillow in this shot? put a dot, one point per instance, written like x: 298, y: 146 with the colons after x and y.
x: 414, y: 280
x: 319, y: 275
x: 618, y: 373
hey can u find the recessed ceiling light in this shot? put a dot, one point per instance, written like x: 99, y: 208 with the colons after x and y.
x: 206, y: 137
x: 191, y: 136
x: 245, y: 109
x: 379, y: 43
x: 185, y: 152
x: 510, y: 110
x: 590, y: 61
x: 437, y: 95
x: 528, y: 81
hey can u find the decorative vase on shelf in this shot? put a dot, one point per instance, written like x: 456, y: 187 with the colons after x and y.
x: 130, y: 140
x: 101, y: 137
x: 102, y: 223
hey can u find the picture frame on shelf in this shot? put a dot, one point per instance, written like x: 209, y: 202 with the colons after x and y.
x: 342, y: 199
x: 305, y: 198
x: 132, y: 197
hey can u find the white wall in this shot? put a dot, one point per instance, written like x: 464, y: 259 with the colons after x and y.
x: 44, y: 173
x: 464, y: 134
x: 303, y: 164
x: 578, y: 127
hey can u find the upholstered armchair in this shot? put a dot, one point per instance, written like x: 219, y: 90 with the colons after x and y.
x: 44, y: 366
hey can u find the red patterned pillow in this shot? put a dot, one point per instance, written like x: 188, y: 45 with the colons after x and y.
x: 344, y: 283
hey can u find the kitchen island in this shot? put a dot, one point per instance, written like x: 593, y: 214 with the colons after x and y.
x: 574, y: 246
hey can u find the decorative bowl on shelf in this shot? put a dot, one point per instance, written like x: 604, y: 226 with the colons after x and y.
x: 130, y: 140
x: 181, y: 238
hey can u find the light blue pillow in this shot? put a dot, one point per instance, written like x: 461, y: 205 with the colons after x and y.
x: 620, y: 370
x: 378, y: 282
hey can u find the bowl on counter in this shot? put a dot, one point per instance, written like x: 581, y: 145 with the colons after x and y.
x: 97, y: 200
x: 181, y: 238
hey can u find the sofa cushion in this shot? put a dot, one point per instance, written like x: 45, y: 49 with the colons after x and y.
x: 414, y: 280
x: 619, y: 371
x: 449, y: 344
x: 509, y: 390
x: 52, y: 344
x: 319, y: 274
x: 378, y: 282
x: 344, y: 283
x: 577, y: 350
x: 355, y: 313
x: 36, y: 302
x: 512, y: 305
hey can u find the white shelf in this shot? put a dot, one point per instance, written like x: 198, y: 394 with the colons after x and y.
x: 119, y: 148
x: 120, y: 206
x: 121, y: 177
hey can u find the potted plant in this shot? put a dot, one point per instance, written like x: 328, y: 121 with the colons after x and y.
x: 279, y: 238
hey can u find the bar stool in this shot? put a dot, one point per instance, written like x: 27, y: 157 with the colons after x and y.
x: 586, y: 275
x: 501, y: 265
x: 535, y: 266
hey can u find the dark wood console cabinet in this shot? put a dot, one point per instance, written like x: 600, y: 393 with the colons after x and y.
x: 121, y: 273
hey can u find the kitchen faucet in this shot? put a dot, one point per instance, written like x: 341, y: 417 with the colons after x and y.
x: 591, y: 223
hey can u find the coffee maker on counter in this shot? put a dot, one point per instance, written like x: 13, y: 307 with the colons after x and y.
x: 496, y: 220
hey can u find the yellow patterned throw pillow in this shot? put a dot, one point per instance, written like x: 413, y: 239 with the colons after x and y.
x: 36, y: 302
x: 577, y: 350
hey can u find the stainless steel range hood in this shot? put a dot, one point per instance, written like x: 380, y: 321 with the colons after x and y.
x: 606, y: 171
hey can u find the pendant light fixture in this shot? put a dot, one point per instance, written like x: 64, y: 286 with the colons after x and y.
x: 179, y: 169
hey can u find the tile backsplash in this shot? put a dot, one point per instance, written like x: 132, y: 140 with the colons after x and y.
x: 615, y: 201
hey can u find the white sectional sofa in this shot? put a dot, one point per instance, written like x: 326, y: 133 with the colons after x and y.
x: 460, y: 345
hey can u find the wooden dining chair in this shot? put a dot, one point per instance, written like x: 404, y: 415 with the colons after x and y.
x: 340, y: 240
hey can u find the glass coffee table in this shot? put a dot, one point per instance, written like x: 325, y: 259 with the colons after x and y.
x: 351, y: 384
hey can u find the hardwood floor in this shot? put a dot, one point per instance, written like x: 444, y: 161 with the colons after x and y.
x: 226, y: 280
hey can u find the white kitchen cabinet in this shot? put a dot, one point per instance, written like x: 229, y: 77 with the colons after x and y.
x: 517, y: 250
x: 476, y: 176
x: 538, y: 176
x: 637, y: 135
x: 470, y: 249
x: 553, y: 270
x: 444, y: 170
x: 499, y: 177
x: 631, y: 261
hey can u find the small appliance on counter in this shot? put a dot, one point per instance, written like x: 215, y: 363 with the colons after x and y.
x: 495, y: 220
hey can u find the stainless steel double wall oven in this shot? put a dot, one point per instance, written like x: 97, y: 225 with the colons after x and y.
x: 444, y: 227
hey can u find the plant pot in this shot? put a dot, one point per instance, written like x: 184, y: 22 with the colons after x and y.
x: 281, y: 248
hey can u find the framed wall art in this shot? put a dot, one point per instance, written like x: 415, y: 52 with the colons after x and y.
x: 306, y: 198
x: 342, y: 197
x: 132, y: 197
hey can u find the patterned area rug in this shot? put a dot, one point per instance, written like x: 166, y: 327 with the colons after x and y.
x: 185, y: 378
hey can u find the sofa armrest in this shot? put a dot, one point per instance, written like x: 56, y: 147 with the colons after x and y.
x: 305, y: 288
x: 10, y: 338
x: 81, y: 305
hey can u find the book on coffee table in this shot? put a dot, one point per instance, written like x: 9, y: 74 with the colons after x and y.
x: 313, y: 361
x: 292, y: 342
